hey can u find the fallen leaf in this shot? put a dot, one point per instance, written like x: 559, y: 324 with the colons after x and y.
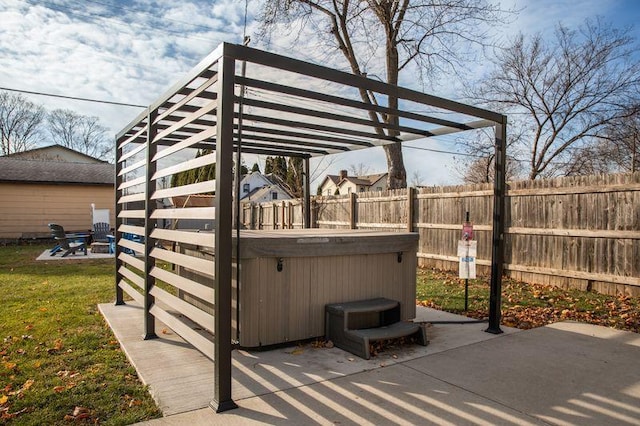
x: 27, y: 385
x: 58, y: 389
x: 134, y: 402
x: 29, y: 327
x: 3, y: 399
x: 43, y: 309
x: 80, y: 410
x: 10, y: 365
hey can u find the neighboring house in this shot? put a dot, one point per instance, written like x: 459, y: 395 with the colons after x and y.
x: 258, y: 188
x: 52, y: 184
x: 345, y: 184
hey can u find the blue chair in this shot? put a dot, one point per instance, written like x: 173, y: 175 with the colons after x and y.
x: 70, y: 243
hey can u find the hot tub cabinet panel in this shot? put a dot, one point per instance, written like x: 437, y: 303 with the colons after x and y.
x: 288, y: 276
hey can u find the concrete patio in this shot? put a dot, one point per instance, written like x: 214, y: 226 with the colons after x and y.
x: 566, y: 373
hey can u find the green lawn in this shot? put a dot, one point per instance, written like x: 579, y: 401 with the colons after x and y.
x: 60, y: 361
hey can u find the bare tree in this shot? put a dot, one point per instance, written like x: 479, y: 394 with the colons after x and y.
x: 20, y: 123
x: 416, y: 179
x: 569, y: 91
x: 80, y: 132
x: 477, y: 162
x: 359, y: 169
x: 397, y: 33
x: 620, y: 145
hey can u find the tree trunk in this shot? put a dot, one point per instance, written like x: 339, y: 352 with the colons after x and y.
x: 397, y: 177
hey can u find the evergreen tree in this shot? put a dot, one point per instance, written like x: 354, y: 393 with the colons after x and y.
x: 255, y: 168
x: 268, y: 165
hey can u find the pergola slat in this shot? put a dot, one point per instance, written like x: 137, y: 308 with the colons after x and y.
x: 201, y: 239
x: 200, y: 342
x: 193, y: 188
x: 203, y: 266
x: 333, y: 117
x: 185, y: 213
x: 205, y: 134
x: 135, y: 294
x: 185, y: 284
x: 336, y: 100
x: 204, y: 160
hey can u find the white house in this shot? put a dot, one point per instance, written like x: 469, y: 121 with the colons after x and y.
x: 345, y: 184
x: 258, y: 188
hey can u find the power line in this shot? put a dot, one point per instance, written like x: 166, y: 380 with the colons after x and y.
x: 75, y: 98
x: 442, y: 151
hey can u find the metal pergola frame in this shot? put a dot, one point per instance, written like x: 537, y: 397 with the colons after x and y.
x: 209, y: 109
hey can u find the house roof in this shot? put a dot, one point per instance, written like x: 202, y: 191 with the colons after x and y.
x: 355, y: 181
x: 48, y: 153
x: 52, y: 172
x: 335, y: 179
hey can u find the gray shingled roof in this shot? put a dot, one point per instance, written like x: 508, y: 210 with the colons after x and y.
x: 31, y: 171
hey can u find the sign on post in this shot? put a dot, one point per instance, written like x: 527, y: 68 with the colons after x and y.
x: 467, y: 252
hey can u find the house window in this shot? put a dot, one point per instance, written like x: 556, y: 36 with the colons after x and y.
x: 274, y: 195
x: 378, y: 188
x: 245, y: 187
x: 362, y: 189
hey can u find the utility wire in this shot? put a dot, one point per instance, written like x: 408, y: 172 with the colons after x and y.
x: 75, y: 98
x: 442, y: 151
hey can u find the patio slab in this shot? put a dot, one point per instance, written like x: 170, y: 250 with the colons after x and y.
x: 566, y: 373
x: 180, y: 378
x: 77, y: 256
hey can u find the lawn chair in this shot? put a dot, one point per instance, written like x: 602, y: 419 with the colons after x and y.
x: 101, y: 232
x: 68, y: 242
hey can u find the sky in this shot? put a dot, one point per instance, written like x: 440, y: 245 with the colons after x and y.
x: 132, y: 51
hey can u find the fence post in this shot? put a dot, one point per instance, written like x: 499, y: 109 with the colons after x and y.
x: 282, y: 222
x: 274, y: 216
x: 352, y: 210
x: 411, y: 192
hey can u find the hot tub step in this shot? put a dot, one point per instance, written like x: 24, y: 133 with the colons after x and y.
x: 353, y: 325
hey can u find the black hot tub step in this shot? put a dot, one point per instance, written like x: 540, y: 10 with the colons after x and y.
x: 353, y: 325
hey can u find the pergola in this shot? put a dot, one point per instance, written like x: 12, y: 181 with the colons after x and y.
x: 243, y: 100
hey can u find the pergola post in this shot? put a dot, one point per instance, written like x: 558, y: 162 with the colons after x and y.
x: 497, y: 250
x: 117, y: 234
x: 149, y: 206
x: 307, y: 195
x: 223, y: 229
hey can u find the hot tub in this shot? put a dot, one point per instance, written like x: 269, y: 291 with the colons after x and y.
x: 288, y: 276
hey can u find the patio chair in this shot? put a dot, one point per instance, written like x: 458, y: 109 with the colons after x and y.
x: 70, y: 243
x: 101, y: 232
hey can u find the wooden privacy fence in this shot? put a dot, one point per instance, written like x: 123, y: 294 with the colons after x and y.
x: 578, y: 232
